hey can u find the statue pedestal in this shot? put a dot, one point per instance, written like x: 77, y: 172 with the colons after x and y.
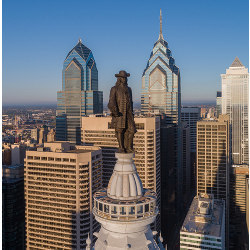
x: 125, y: 183
x: 125, y: 210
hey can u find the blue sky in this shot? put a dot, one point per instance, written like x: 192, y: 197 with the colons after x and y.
x: 203, y: 35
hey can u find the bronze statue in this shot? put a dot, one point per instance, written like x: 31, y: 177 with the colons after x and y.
x: 121, y: 107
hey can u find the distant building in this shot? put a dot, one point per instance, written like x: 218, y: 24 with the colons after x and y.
x: 235, y: 102
x: 97, y: 131
x: 51, y: 135
x: 13, y: 209
x: 60, y: 180
x: 218, y: 103
x: 79, y: 96
x: 34, y: 134
x: 43, y: 132
x: 191, y: 115
x: 204, y: 225
x: 239, y: 175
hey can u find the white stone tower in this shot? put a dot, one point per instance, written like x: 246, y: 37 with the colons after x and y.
x: 125, y: 210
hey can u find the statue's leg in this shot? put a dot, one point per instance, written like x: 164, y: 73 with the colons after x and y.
x: 120, y: 138
x: 129, y: 138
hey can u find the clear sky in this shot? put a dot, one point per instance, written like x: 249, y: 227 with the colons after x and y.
x: 203, y: 35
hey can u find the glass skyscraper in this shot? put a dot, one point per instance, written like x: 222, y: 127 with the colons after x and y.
x: 235, y: 85
x: 79, y: 96
x: 161, y: 96
x: 161, y: 83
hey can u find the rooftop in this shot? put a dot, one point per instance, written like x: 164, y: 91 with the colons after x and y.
x: 81, y: 49
x: 237, y: 63
x: 205, y: 223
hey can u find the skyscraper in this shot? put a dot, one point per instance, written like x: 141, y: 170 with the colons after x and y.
x: 213, y: 163
x: 161, y: 92
x: 213, y: 157
x: 97, y: 131
x: 191, y: 115
x: 161, y: 95
x: 60, y: 180
x: 79, y: 95
x: 235, y: 102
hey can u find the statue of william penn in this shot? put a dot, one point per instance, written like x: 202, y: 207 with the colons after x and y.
x: 121, y: 107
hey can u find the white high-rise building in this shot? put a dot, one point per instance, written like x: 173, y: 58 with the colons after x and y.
x: 235, y: 84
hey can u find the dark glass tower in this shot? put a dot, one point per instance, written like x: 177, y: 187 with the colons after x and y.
x: 79, y: 96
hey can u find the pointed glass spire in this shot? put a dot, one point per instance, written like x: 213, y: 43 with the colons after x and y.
x: 160, y: 35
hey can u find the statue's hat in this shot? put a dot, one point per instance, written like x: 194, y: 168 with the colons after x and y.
x: 122, y: 73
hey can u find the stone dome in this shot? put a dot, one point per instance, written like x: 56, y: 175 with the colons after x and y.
x: 125, y: 183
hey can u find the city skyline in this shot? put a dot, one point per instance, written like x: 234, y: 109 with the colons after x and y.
x: 204, y: 37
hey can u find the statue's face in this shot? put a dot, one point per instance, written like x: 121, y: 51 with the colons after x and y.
x: 123, y: 80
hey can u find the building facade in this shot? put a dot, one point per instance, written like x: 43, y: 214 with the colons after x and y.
x: 97, y: 131
x: 191, y: 115
x: 79, y: 96
x: 186, y: 167
x: 204, y: 225
x: 239, y: 175
x: 213, y: 157
x: 235, y: 102
x: 60, y: 180
x: 218, y: 104
x: 13, y: 209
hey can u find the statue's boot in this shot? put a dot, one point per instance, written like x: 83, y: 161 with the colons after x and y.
x: 120, y: 138
x: 130, y: 143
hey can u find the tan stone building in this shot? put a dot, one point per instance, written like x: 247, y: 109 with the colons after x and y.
x: 97, y: 131
x: 213, y: 156
x: 60, y: 180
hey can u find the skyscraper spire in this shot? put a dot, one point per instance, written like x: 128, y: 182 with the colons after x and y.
x: 160, y: 35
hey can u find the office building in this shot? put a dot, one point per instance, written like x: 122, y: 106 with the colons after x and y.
x: 218, y: 104
x: 97, y: 131
x: 60, y: 180
x: 161, y: 83
x: 213, y: 157
x: 125, y: 210
x: 191, y: 115
x: 161, y: 95
x: 79, y: 96
x: 239, y: 175
x: 13, y: 208
x: 204, y: 225
x: 235, y: 101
